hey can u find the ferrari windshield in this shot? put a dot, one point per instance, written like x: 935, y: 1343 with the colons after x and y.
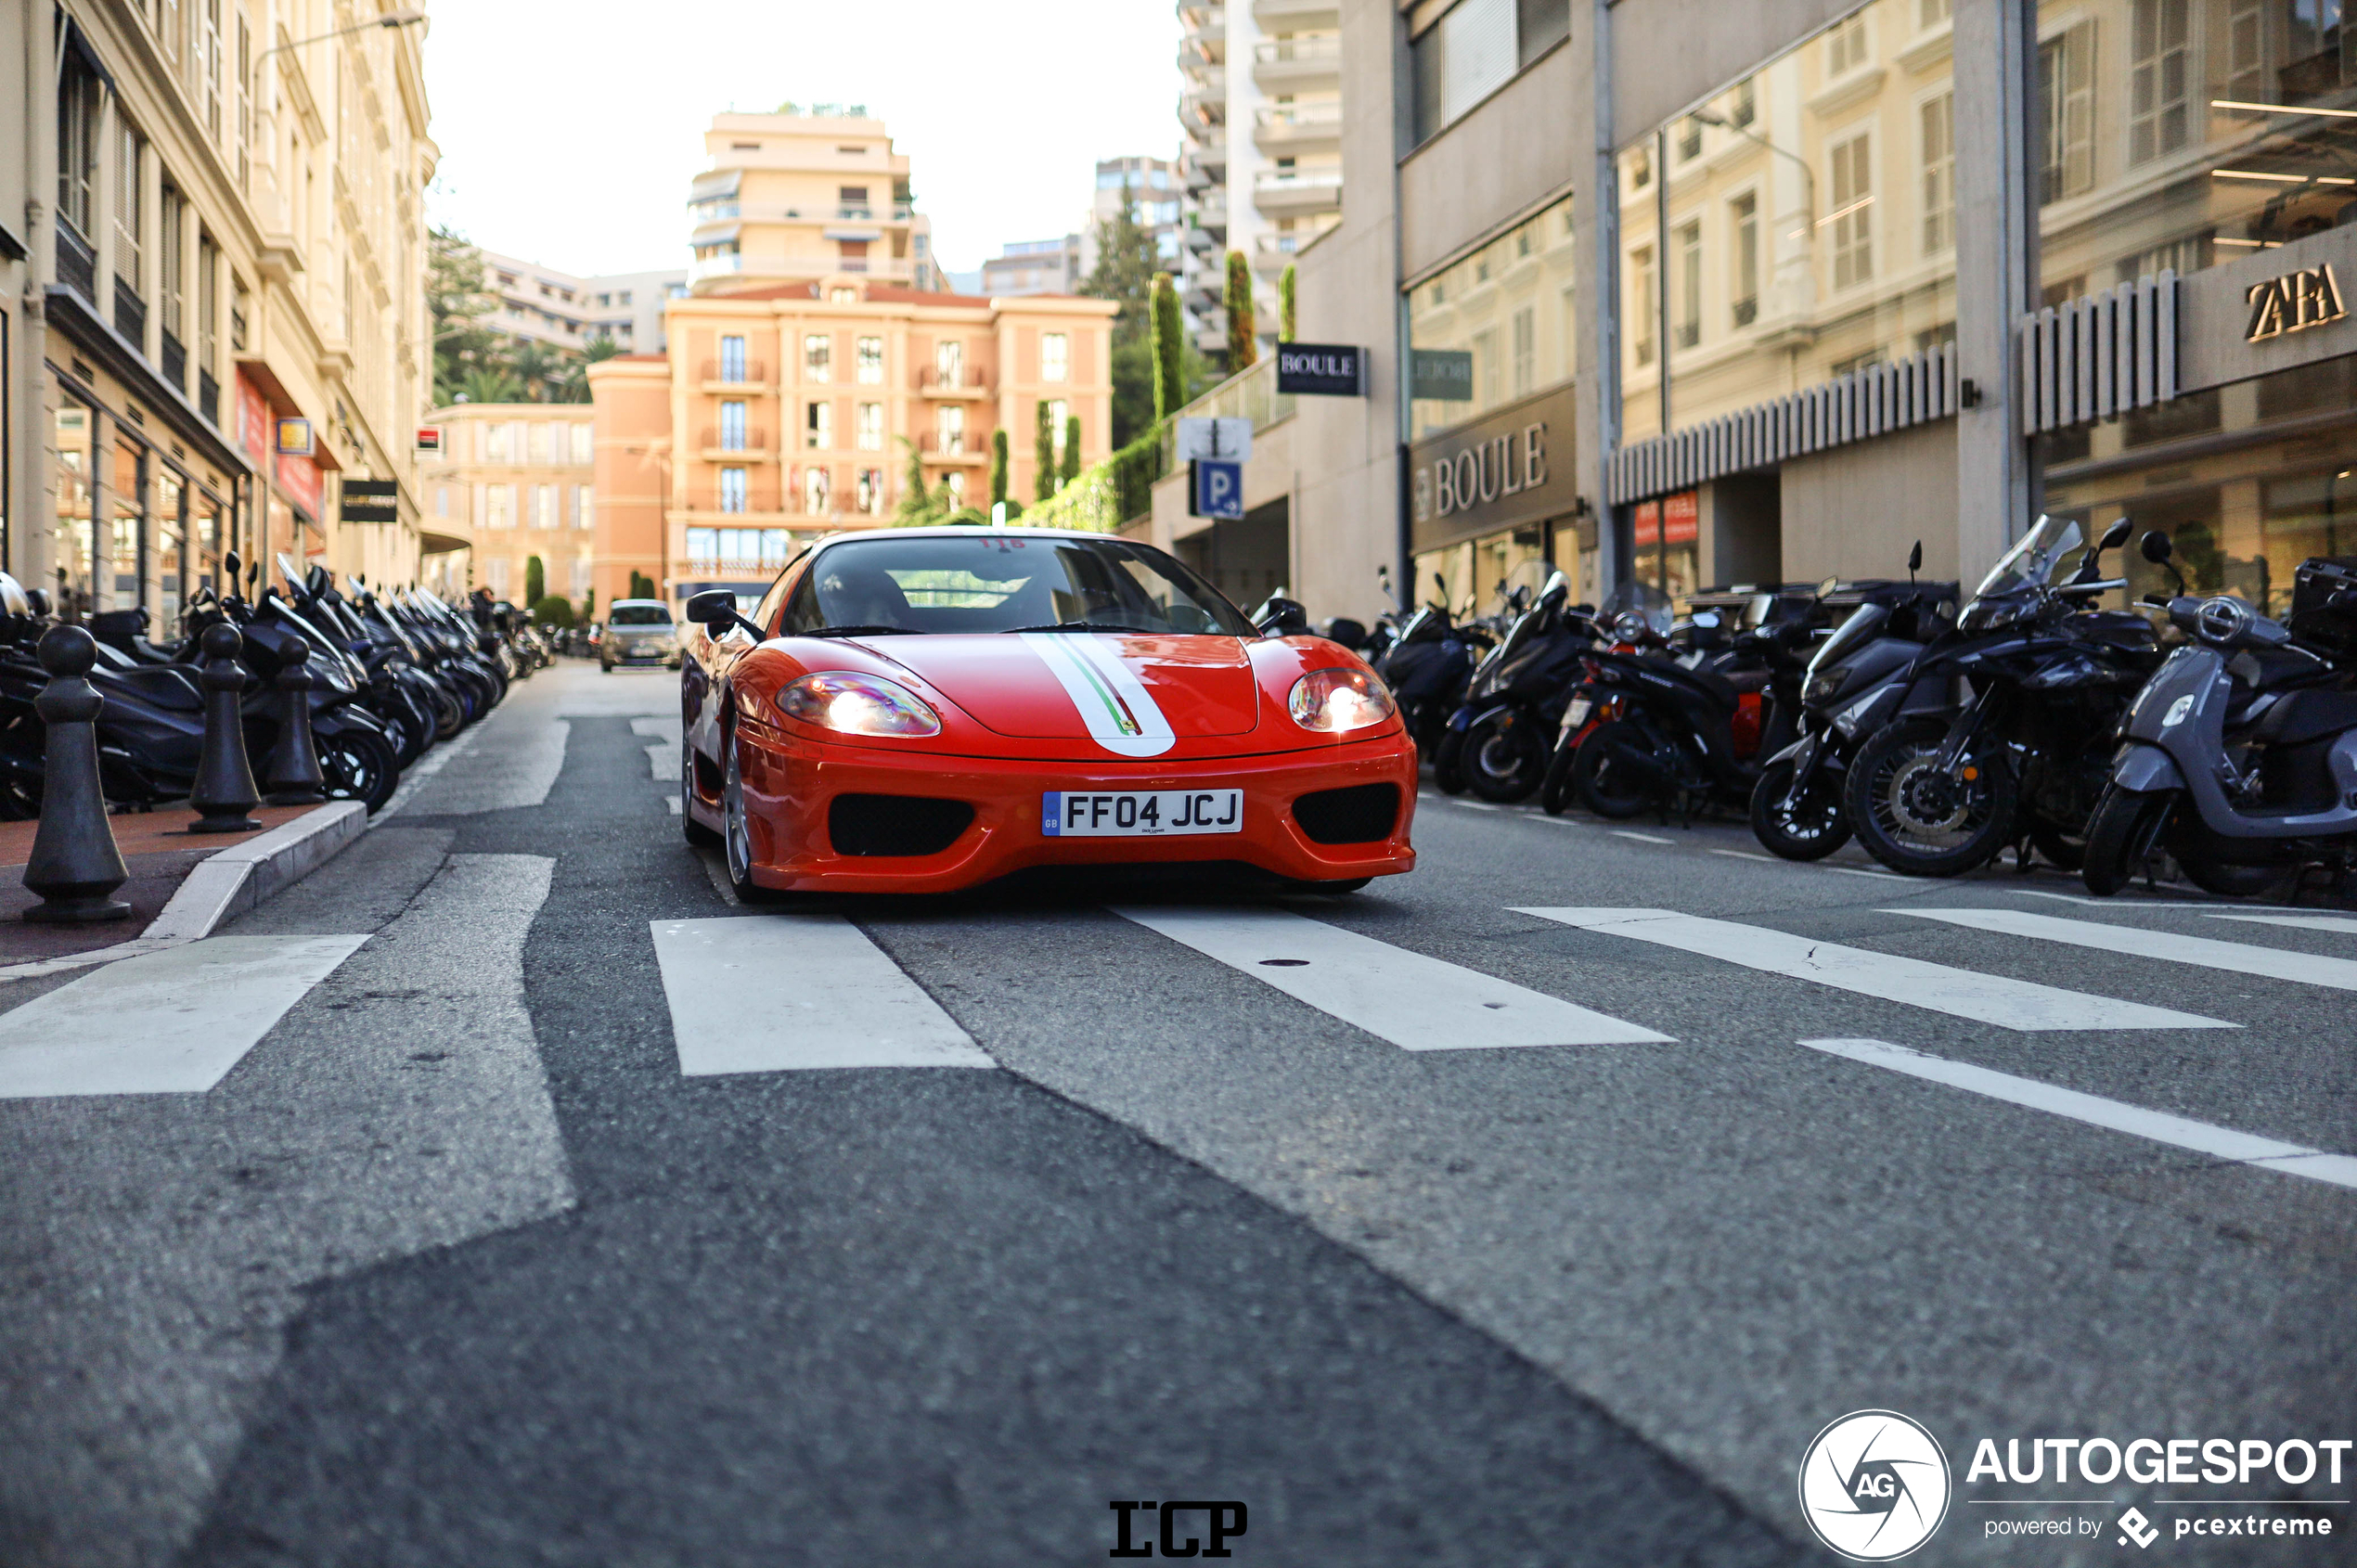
x: 2032, y: 560
x: 1005, y: 582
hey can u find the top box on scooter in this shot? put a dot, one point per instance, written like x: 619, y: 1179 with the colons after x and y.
x: 2324, y: 603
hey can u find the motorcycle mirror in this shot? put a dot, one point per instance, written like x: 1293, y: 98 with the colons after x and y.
x: 1915, y: 558
x: 1825, y: 589
x: 230, y: 564
x: 2116, y: 535
x: 2155, y: 546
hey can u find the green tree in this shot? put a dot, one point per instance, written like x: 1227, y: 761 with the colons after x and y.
x: 458, y: 305
x: 488, y: 383
x: 540, y: 369
x: 641, y: 586
x: 589, y: 605
x: 1170, y: 379
x: 1072, y: 449
x: 1043, y: 450
x: 536, y: 579
x: 552, y: 610
x: 1123, y: 273
x: 918, y: 506
x: 1285, y: 327
x: 998, y: 466
x: 1243, y: 346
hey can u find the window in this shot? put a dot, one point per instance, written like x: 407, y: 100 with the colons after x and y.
x: 1640, y: 167
x: 1689, y: 285
x: 1938, y: 118
x: 1055, y: 358
x: 868, y: 429
x: 77, y: 143
x: 1641, y: 267
x: 209, y: 62
x: 499, y: 506
x: 1845, y: 46
x: 868, y: 354
x: 732, y: 490
x: 949, y: 363
x: 582, y: 454
x: 957, y: 484
x: 2160, y: 49
x: 496, y: 447
x: 207, y: 308
x: 1852, y: 214
x: 245, y: 102
x: 1743, y: 226
x: 495, y: 571
x: 2066, y: 105
x: 732, y: 427
x: 732, y: 359
x: 1745, y: 109
x: 1462, y: 59
x: 1931, y: 13
x: 171, y: 281
x: 1689, y: 139
x: 2245, y: 50
x: 1058, y: 412
x: 950, y: 428
x: 817, y: 491
x: 867, y: 492
x: 543, y: 506
x: 853, y: 196
x: 1485, y: 353
x: 849, y: 296
x: 536, y: 443
x: 585, y: 505
x: 1526, y: 329
x: 819, y: 426
x: 818, y: 357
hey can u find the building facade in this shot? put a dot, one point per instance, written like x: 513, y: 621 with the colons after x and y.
x: 1858, y: 274
x: 1156, y: 190
x: 569, y: 312
x: 1034, y: 266
x: 799, y: 195
x: 785, y: 412
x: 215, y: 321
x: 512, y: 480
x: 1260, y: 113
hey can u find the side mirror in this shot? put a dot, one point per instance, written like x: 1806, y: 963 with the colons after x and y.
x: 2116, y: 535
x: 1916, y: 557
x: 715, y: 608
x: 1825, y: 589
x: 2155, y: 546
x: 232, y: 565
x: 1283, y: 618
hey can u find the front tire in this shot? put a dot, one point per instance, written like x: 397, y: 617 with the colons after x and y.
x: 1502, y: 760
x: 360, y: 765
x: 1810, y: 829
x: 1554, y: 790
x: 2121, y: 836
x: 1602, y: 779
x: 1917, y: 822
x: 1449, y: 762
x: 736, y: 831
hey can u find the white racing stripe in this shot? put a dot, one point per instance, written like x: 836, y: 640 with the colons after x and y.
x: 778, y: 993
x: 1120, y: 715
x: 1985, y: 999
x: 2341, y: 924
x: 1417, y: 1002
x: 2237, y: 957
x: 168, y: 1022
x: 2243, y: 1148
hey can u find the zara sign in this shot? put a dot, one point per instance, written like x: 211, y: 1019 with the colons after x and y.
x: 2293, y: 303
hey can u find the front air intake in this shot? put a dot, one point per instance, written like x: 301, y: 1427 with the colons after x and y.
x: 1362, y: 815
x: 896, y: 824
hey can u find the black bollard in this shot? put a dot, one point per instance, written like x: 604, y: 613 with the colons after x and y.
x: 75, y: 865
x: 224, y: 791
x: 295, y: 778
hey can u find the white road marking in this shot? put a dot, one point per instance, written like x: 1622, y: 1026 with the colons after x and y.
x: 673, y: 802
x: 1861, y: 872
x: 1641, y: 838
x: 1747, y: 855
x: 1417, y: 1002
x: 2237, y: 957
x: 2241, y: 1148
x: 1985, y: 999
x: 1561, y: 821
x: 778, y: 993
x: 168, y: 1022
x: 1473, y: 805
x: 2339, y: 923
x: 662, y: 761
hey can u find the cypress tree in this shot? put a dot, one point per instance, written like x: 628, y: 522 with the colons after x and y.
x: 1170, y: 386
x: 1243, y: 348
x: 535, y: 581
x: 1072, y: 448
x: 1043, y: 450
x: 998, y: 465
x: 1285, y: 327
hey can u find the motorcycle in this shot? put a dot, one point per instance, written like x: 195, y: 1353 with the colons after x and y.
x: 2024, y: 758
x: 1498, y: 740
x: 1426, y: 668
x: 2239, y: 756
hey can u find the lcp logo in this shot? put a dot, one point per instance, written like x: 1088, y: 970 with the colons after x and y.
x: 1873, y: 1486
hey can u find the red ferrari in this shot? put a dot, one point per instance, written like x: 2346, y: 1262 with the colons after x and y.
x: 924, y: 709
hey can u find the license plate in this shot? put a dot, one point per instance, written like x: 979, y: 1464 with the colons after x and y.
x: 1141, y: 814
x: 1577, y: 714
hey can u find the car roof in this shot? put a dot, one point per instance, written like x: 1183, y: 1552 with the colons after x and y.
x: 971, y: 531
x: 659, y: 604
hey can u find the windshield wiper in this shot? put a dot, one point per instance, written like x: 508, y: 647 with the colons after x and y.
x: 1085, y: 627
x: 858, y: 632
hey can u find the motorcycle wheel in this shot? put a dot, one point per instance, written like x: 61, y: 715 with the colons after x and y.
x: 2063, y: 848
x: 1610, y: 790
x: 1554, y: 790
x: 1501, y: 761
x: 449, y: 713
x: 1810, y: 829
x: 1449, y: 764
x: 2121, y: 836
x: 360, y: 765
x: 1913, y: 821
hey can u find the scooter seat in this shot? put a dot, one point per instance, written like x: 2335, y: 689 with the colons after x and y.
x: 1736, y: 683
x: 166, y: 686
x: 2303, y: 716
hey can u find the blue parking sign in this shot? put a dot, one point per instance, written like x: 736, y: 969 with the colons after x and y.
x: 1219, y: 489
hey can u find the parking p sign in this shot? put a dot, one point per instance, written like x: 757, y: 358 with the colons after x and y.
x: 1219, y: 489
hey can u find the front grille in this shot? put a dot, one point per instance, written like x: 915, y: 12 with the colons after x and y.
x: 896, y: 824
x: 1362, y: 814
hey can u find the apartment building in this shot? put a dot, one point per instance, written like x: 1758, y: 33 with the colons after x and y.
x: 1034, y: 266
x: 791, y: 410
x: 804, y: 194
x: 1156, y: 187
x: 569, y: 312
x: 213, y: 322
x: 512, y: 480
x: 1260, y: 113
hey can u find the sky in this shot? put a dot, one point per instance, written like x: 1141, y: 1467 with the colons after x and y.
x: 569, y: 133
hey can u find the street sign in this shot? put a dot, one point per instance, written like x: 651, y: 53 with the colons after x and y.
x: 1225, y: 440
x: 1442, y: 375
x: 1219, y: 489
x: 1319, y: 369
x: 371, y: 500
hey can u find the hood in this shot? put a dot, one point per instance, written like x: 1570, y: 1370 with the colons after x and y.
x: 1134, y: 696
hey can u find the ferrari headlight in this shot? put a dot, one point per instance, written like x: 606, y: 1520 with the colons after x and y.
x: 857, y: 704
x: 1335, y: 702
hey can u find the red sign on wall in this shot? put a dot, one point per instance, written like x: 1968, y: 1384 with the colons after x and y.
x: 299, y: 478
x: 253, y: 421
x: 1683, y: 521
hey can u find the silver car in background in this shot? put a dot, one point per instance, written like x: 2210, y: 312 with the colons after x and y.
x: 639, y: 631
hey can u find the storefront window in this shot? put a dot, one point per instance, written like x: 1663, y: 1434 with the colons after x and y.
x: 127, y: 518
x: 171, y: 557
x: 1495, y: 326
x: 2182, y: 134
x: 76, y: 428
x: 1812, y: 224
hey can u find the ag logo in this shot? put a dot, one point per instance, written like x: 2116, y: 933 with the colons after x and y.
x: 1873, y: 1486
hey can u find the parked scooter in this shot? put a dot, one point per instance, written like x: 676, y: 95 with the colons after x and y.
x: 2239, y: 757
x: 1499, y: 738
x: 1426, y: 668
x: 2025, y: 759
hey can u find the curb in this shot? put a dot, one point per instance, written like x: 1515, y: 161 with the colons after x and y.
x: 226, y: 885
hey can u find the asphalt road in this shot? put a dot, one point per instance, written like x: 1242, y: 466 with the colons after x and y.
x: 518, y: 1240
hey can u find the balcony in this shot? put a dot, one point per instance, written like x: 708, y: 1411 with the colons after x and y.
x: 130, y: 311
x: 1278, y: 15
x: 751, y: 446
x: 1195, y: 18
x: 1317, y: 190
x: 1281, y: 132
x: 77, y: 268
x: 1203, y: 85
x: 954, y: 449
x: 706, y: 277
x: 739, y: 376
x: 1272, y: 253
x: 1289, y: 64
x: 971, y: 383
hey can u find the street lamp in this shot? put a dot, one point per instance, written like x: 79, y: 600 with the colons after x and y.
x: 1808, y: 176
